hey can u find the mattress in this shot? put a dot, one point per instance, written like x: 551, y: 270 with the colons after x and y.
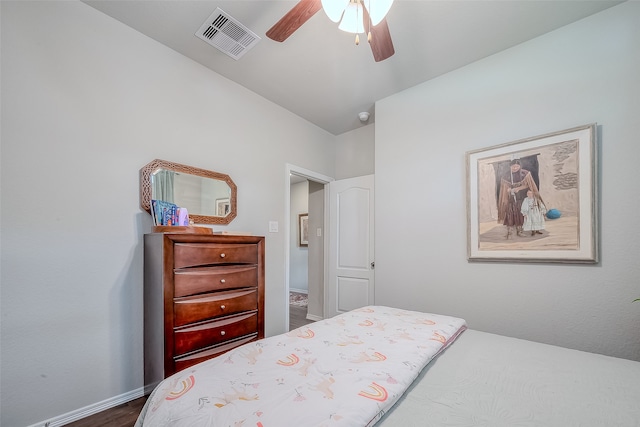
x: 469, y: 378
x: 484, y: 379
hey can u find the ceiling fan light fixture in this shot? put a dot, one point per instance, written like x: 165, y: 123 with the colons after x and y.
x: 343, y: 10
x: 352, y: 19
x: 377, y: 9
x: 378, y: 36
x: 334, y: 8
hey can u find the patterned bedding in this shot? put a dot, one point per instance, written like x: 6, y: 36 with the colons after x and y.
x: 344, y: 371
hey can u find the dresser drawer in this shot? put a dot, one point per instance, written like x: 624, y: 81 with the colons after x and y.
x: 191, y: 281
x: 207, y: 306
x: 208, y: 334
x: 195, y: 254
x: 191, y: 359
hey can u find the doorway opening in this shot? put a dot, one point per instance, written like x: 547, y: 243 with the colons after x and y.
x: 314, y: 255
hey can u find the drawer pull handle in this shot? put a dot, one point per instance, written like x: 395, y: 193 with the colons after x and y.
x: 222, y: 332
x: 222, y: 307
x: 222, y: 255
x: 222, y: 281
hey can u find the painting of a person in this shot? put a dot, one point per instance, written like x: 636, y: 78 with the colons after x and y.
x: 533, y: 210
x: 514, y: 185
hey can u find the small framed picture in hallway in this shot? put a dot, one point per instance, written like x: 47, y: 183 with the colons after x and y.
x: 303, y: 229
x: 535, y: 199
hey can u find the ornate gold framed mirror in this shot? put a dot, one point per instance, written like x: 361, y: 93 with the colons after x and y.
x: 209, y: 197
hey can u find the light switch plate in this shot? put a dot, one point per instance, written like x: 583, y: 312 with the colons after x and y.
x: 273, y: 226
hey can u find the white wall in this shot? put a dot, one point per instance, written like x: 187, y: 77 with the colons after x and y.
x: 299, y: 255
x: 583, y: 73
x: 87, y: 102
x: 355, y: 152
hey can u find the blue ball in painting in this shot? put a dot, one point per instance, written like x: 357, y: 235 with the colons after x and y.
x: 553, y: 214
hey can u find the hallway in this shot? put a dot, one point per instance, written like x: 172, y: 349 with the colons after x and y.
x: 297, y: 310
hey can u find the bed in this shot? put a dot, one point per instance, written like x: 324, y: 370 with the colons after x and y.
x: 390, y: 367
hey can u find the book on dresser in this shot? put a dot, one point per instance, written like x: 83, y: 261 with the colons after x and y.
x: 203, y: 296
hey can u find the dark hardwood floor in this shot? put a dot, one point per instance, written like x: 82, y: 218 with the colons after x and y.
x: 298, y: 317
x: 125, y: 415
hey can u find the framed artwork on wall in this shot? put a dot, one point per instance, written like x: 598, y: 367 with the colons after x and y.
x: 303, y: 229
x: 534, y: 200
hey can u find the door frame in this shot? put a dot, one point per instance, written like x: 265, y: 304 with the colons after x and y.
x: 315, y: 177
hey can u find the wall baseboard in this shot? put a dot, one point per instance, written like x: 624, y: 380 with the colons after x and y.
x: 81, y: 413
x: 300, y: 291
x: 314, y: 317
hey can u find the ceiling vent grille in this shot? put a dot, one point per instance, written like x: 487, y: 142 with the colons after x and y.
x: 227, y: 34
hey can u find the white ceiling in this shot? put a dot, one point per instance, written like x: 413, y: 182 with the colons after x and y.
x: 320, y: 75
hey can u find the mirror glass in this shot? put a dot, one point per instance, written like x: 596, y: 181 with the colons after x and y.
x: 210, y: 197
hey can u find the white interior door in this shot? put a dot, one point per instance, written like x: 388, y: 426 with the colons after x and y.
x: 351, y: 257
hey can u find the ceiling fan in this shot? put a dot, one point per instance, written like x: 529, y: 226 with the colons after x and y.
x: 379, y: 39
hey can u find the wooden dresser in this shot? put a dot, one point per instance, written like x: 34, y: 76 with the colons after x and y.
x: 203, y: 296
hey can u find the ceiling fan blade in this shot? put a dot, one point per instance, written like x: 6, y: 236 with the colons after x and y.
x: 381, y: 44
x: 294, y: 19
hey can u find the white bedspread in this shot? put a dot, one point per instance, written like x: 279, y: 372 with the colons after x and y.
x: 344, y: 371
x: 495, y: 381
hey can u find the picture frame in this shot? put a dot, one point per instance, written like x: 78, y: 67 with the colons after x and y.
x: 223, y: 207
x: 535, y: 199
x: 303, y: 229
